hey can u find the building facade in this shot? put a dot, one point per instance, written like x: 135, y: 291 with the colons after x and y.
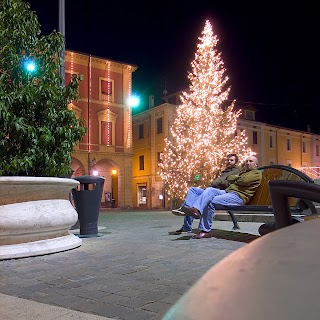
x: 272, y: 144
x: 126, y: 149
x: 106, y: 150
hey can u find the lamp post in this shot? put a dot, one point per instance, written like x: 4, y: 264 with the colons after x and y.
x: 62, y: 30
x: 94, y: 170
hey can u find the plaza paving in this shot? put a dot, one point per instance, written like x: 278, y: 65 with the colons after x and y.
x: 137, y: 269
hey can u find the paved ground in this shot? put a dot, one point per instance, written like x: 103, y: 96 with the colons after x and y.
x: 137, y: 269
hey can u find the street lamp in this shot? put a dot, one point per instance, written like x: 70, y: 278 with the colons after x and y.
x: 133, y: 101
x: 30, y: 65
x: 94, y: 170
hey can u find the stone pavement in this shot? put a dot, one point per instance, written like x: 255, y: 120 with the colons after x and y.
x: 137, y: 269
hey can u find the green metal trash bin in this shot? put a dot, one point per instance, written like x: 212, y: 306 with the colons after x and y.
x: 87, y: 200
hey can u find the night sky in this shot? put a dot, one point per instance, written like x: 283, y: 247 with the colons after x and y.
x: 270, y: 49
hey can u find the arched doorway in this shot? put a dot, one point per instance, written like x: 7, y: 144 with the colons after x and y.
x: 110, y: 171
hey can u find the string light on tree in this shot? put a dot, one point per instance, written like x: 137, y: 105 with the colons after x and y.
x: 204, y: 131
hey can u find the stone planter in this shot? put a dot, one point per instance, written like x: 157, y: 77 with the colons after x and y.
x: 35, y: 216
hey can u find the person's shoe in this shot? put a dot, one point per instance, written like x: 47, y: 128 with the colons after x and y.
x: 178, y: 212
x: 179, y: 231
x: 196, y: 213
x: 202, y: 235
x: 192, y: 212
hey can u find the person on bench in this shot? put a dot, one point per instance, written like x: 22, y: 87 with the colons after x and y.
x: 219, y: 183
x: 242, y: 187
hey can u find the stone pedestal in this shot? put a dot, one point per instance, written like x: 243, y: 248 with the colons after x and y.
x: 35, y: 216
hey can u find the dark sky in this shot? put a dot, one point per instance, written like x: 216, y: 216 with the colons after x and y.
x: 270, y: 49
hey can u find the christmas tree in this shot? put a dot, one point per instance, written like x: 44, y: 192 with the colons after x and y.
x: 204, y: 131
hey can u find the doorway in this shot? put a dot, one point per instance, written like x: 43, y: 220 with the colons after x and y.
x: 142, y: 196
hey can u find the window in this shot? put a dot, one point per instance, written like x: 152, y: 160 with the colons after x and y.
x: 271, y: 162
x: 159, y: 125
x: 248, y: 114
x: 288, y: 144
x: 106, y: 133
x: 271, y: 141
x: 67, y: 77
x: 159, y: 157
x: 304, y: 147
x: 141, y: 162
x: 106, y: 89
x: 317, y: 150
x: 107, y: 125
x: 141, y: 136
x: 255, y: 137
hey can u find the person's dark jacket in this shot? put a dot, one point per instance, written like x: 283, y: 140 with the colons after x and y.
x: 222, y: 182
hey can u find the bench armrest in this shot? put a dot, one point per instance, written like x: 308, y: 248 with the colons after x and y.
x: 280, y: 190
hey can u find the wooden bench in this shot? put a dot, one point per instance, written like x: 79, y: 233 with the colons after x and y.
x: 261, y: 201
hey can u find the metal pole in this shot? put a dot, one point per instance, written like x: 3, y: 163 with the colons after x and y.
x: 62, y: 30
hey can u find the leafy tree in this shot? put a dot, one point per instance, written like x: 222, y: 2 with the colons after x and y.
x: 37, y: 131
x: 204, y: 130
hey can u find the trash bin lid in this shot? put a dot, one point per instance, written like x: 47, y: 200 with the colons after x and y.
x: 89, y: 179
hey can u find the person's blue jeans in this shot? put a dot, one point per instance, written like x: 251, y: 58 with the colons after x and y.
x: 192, y: 195
x: 204, y: 201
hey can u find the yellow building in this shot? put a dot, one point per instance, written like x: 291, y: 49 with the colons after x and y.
x: 149, y: 131
x: 273, y: 145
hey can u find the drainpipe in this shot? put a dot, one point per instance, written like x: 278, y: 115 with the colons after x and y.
x: 89, y: 120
